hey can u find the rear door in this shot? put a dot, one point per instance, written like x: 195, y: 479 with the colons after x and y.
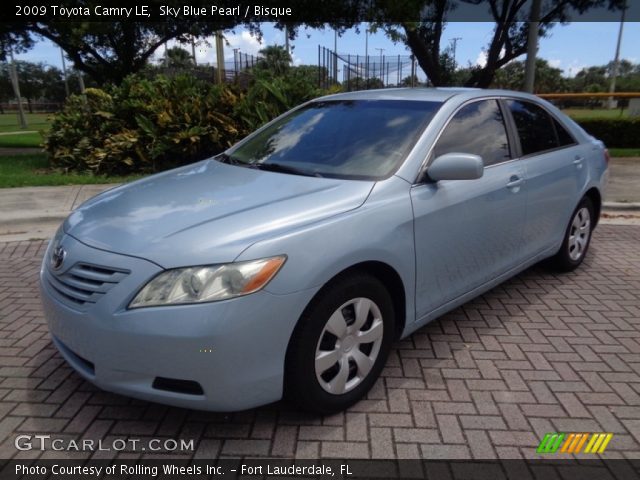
x: 555, y: 169
x: 468, y: 231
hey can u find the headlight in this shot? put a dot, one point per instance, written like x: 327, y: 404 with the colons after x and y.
x: 207, y: 283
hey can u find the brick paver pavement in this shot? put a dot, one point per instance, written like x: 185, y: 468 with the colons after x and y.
x: 541, y: 353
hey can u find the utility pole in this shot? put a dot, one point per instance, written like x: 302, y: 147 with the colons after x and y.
x: 16, y: 90
x: 64, y: 74
x: 366, y: 52
x: 616, y: 60
x: 532, y: 47
x: 413, y: 70
x: 235, y: 60
x: 381, y: 64
x: 455, y: 40
x: 219, y: 58
x: 286, y: 42
x: 335, y: 56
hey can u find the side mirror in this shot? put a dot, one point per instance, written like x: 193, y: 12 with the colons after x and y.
x: 456, y: 166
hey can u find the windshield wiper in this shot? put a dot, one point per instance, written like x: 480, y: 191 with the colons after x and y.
x: 226, y: 158
x: 279, y: 167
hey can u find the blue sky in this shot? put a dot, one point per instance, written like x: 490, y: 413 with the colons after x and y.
x: 569, y: 47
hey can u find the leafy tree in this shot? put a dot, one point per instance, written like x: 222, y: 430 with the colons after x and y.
x: 509, y: 39
x: 410, y: 81
x: 359, y: 83
x: 591, y: 79
x: 13, y: 38
x: 548, y: 79
x: 109, y: 51
x: 178, y: 57
x: 275, y: 58
x: 34, y: 79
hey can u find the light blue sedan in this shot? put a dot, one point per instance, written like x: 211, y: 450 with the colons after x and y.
x: 288, y: 265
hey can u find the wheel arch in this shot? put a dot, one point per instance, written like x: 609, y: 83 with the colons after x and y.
x: 594, y: 195
x: 388, y: 276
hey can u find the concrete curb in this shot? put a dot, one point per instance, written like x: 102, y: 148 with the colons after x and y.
x: 621, y: 206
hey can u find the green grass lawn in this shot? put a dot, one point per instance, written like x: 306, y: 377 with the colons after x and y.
x: 624, y: 152
x: 35, y: 121
x: 21, y: 140
x: 32, y: 170
x: 582, y: 113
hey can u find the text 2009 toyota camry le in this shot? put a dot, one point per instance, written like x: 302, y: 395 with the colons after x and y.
x: 288, y: 264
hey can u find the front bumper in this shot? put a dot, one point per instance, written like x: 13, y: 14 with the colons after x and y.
x: 234, y: 349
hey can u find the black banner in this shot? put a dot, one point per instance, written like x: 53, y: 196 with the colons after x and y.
x: 321, y: 469
x: 301, y: 11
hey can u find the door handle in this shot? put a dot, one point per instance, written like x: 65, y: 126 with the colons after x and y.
x: 577, y: 161
x: 514, y: 181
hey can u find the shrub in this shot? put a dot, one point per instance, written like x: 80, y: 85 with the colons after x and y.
x: 270, y: 95
x: 615, y: 133
x: 147, y: 125
x: 142, y: 126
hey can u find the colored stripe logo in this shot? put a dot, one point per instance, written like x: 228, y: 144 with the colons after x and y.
x: 574, y: 442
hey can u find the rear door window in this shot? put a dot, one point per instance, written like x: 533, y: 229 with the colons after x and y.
x: 535, y: 127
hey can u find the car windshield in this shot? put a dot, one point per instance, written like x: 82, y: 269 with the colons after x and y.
x: 358, y: 139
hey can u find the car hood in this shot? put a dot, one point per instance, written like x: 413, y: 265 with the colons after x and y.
x: 208, y: 212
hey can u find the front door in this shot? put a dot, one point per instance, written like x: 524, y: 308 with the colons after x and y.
x: 467, y: 232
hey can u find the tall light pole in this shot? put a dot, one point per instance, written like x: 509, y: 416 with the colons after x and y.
x: 366, y: 52
x: 532, y: 47
x: 455, y: 41
x: 381, y: 64
x: 335, y: 55
x: 616, y: 60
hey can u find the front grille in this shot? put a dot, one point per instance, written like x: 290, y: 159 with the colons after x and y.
x: 84, y: 284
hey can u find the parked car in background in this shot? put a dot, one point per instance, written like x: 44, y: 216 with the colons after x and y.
x: 290, y: 263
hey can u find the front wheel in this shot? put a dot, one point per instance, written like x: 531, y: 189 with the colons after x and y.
x: 340, y: 345
x: 577, y: 238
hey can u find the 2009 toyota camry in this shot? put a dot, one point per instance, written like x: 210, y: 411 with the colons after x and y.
x: 290, y: 263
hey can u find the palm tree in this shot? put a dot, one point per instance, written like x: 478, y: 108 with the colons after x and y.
x: 179, y: 58
x: 275, y: 58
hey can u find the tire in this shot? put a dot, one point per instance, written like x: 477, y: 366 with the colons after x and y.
x: 329, y: 330
x: 577, y: 238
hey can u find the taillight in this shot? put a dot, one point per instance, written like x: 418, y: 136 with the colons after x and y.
x: 607, y: 157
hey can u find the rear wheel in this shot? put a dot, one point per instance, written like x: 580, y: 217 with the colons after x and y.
x: 340, y: 344
x: 577, y: 238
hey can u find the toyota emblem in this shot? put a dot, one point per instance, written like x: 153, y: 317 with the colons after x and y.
x: 57, y: 257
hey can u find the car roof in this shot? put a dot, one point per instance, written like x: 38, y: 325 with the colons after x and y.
x: 438, y: 94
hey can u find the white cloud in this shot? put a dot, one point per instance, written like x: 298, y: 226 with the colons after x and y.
x: 206, y: 47
x: 482, y: 59
x: 574, y: 67
x: 555, y: 62
x: 246, y: 42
